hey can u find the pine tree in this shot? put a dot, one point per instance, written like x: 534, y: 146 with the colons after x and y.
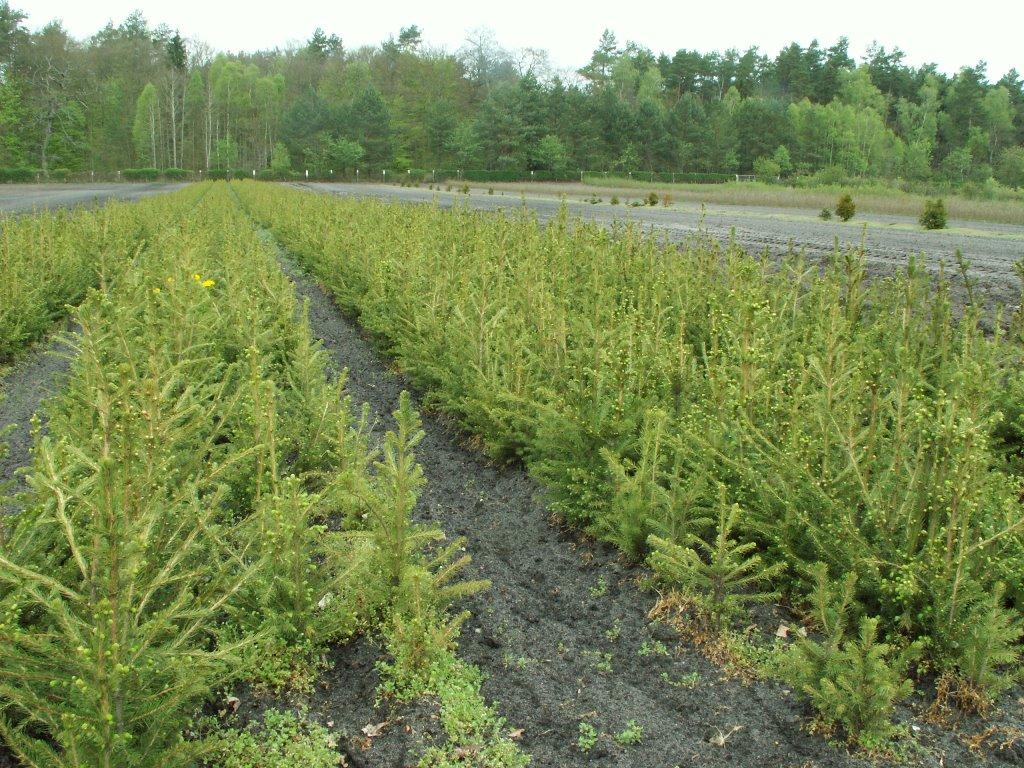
x: 421, y: 585
x: 724, y: 576
x: 854, y: 683
x: 988, y: 655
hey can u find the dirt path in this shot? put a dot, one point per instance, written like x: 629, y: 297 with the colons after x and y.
x: 35, y: 377
x: 562, y: 635
x: 888, y: 240
x: 24, y: 198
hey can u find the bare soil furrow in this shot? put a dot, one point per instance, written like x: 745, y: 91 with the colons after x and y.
x: 23, y: 389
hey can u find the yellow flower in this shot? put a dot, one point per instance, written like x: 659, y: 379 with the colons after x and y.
x: 170, y: 281
x: 197, y: 277
x: 207, y: 283
x: 156, y: 290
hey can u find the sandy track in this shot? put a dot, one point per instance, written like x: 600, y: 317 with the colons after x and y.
x: 888, y: 241
x: 25, y: 198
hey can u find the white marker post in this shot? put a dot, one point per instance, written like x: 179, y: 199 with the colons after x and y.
x: 307, y: 173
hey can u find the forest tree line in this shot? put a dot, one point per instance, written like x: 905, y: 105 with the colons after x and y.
x: 137, y: 96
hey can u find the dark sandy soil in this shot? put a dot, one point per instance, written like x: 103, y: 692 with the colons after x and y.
x: 25, y: 198
x: 559, y: 610
x: 888, y: 240
x: 36, y: 376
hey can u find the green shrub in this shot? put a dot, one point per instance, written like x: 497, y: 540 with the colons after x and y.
x: 165, y: 548
x: 826, y: 214
x: 419, y: 588
x: 722, y: 576
x: 140, y: 174
x: 853, y: 683
x: 831, y: 175
x: 985, y: 652
x: 652, y: 199
x: 16, y: 175
x: 176, y: 174
x: 767, y: 170
x: 111, y: 584
x: 934, y: 215
x: 845, y: 208
x: 49, y: 261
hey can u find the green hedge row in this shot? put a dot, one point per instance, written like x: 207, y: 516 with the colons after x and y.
x: 10, y: 175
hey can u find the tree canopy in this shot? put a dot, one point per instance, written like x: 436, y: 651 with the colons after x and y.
x: 137, y: 95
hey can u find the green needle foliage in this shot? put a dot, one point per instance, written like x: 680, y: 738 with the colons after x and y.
x: 186, y: 524
x: 843, y: 436
x: 855, y: 422
x: 846, y: 208
x: 396, y: 538
x: 854, y: 683
x: 985, y: 644
x: 722, y: 575
x: 934, y: 214
x: 50, y: 260
x: 125, y: 557
x: 202, y: 511
x: 421, y: 584
x: 639, y: 494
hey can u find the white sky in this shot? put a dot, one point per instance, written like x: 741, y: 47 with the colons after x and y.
x: 926, y: 30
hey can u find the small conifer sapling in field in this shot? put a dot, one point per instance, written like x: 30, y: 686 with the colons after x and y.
x: 934, y: 215
x: 826, y: 214
x: 421, y: 578
x: 846, y: 208
x: 988, y: 656
x: 724, y: 575
x: 853, y: 682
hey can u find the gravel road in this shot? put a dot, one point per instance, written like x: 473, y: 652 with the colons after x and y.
x: 991, y: 249
x: 22, y: 198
